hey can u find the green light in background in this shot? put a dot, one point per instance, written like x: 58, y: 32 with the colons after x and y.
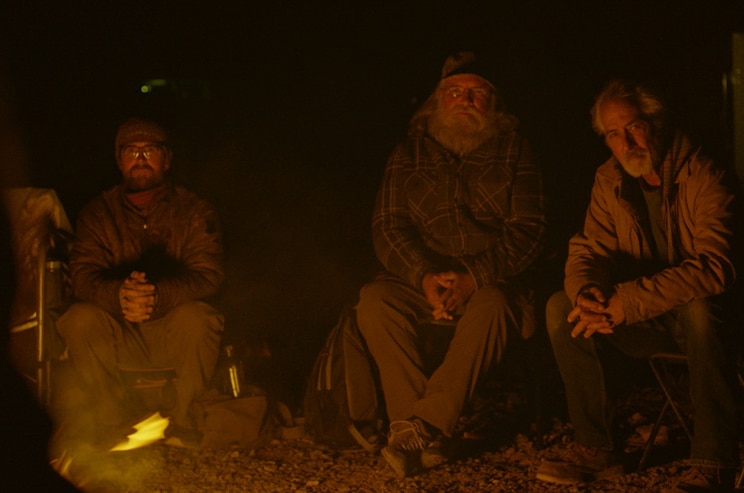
x: 152, y: 84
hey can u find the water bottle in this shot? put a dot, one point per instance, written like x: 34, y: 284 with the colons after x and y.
x: 54, y: 289
x: 233, y: 373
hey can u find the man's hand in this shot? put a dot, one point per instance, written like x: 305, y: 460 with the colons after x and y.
x: 447, y: 291
x: 137, y: 297
x: 614, y: 310
x: 590, y: 315
x: 433, y: 288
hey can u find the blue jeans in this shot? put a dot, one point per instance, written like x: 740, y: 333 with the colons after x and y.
x: 693, y: 329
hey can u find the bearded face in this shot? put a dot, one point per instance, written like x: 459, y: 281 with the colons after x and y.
x: 143, y: 165
x: 630, y: 138
x: 465, y: 113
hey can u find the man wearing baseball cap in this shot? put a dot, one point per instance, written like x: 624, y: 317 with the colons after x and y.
x: 458, y: 217
x: 146, y: 256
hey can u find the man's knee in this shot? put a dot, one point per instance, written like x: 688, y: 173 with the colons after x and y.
x: 491, y: 298
x: 374, y: 302
x: 372, y: 295
x: 81, y: 319
x: 196, y: 319
x: 700, y: 320
x: 556, y: 311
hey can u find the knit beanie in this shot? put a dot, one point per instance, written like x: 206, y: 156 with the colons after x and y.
x: 139, y: 130
x: 465, y: 62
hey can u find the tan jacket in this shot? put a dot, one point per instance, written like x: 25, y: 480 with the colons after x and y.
x: 178, y: 245
x: 613, y: 249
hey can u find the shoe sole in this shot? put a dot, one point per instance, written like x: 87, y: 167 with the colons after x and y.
x: 430, y: 460
x: 610, y: 473
x: 397, y: 461
x: 557, y: 480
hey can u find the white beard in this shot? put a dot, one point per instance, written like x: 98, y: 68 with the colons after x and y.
x: 461, y: 134
x: 638, y: 163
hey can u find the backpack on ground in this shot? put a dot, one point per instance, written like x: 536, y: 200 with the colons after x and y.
x: 342, y: 403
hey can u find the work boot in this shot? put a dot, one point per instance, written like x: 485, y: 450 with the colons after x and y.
x: 700, y: 479
x: 434, y: 453
x: 412, y: 446
x: 580, y: 464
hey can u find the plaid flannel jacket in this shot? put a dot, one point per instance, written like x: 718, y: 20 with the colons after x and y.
x: 482, y: 212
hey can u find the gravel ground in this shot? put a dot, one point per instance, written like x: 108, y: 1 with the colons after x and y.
x: 503, y: 459
x: 301, y: 466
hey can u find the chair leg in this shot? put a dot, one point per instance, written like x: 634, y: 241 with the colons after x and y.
x: 670, y: 400
x: 658, y: 363
x: 652, y: 437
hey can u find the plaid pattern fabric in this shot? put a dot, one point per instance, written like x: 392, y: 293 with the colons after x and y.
x: 482, y: 212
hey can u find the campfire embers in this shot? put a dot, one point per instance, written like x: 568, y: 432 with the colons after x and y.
x: 149, y: 430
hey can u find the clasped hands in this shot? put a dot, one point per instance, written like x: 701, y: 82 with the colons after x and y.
x: 594, y: 313
x: 447, y: 291
x: 137, y: 297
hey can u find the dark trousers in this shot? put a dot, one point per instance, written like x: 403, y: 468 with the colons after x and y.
x: 693, y: 329
x: 389, y: 314
x: 186, y: 339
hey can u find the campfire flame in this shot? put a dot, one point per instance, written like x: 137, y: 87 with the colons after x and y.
x: 149, y: 430
x: 85, y: 466
x: 62, y: 465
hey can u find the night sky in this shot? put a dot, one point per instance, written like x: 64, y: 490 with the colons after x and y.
x: 283, y: 113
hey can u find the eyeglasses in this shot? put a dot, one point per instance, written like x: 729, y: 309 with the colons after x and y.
x: 150, y: 150
x: 457, y: 92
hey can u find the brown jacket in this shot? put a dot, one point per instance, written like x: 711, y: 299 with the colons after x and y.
x: 613, y: 249
x: 178, y: 245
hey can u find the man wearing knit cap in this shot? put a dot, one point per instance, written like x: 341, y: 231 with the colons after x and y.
x: 147, y: 254
x: 458, y: 217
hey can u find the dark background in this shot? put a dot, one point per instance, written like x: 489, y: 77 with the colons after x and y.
x: 283, y: 113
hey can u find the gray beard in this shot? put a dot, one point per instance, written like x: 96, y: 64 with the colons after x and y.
x: 639, y: 163
x: 459, y: 134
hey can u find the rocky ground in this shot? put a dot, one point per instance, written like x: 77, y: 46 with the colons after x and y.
x: 301, y: 466
x: 502, y: 446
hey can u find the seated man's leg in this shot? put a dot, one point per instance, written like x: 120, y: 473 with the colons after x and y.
x: 186, y: 339
x: 582, y: 373
x: 581, y: 366
x: 480, y: 338
x: 91, y: 334
x: 421, y: 409
x: 582, y: 370
x: 387, y: 311
x: 712, y: 373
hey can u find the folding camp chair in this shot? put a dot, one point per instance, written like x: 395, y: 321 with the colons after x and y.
x: 40, y: 236
x: 669, y: 369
